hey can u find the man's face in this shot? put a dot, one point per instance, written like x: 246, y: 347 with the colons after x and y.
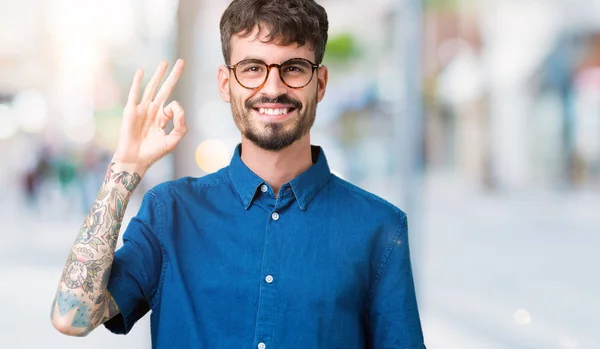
x: 258, y: 112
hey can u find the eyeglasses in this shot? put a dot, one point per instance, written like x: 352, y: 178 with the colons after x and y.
x: 253, y: 73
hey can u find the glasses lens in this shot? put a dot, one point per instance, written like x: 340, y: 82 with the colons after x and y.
x: 296, y: 72
x: 251, y: 73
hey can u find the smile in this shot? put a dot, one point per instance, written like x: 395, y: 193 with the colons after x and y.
x: 268, y: 111
x: 274, y: 113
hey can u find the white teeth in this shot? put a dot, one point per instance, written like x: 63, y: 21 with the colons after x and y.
x: 265, y: 111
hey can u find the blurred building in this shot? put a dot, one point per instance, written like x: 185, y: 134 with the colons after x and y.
x: 498, y: 107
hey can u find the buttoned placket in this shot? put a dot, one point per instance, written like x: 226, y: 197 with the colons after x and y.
x: 268, y: 292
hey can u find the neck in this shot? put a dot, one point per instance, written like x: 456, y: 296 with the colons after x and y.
x: 278, y: 167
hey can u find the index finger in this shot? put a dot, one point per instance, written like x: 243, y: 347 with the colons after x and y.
x: 169, y: 85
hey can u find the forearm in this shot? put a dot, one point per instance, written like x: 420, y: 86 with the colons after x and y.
x: 82, y: 302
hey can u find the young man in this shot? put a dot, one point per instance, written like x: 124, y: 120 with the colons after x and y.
x: 273, y: 251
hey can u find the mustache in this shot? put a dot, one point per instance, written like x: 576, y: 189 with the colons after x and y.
x: 283, y: 99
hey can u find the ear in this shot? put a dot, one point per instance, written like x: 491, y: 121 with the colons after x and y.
x: 322, y: 77
x: 223, y: 76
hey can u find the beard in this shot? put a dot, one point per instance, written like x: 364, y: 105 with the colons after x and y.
x: 274, y: 136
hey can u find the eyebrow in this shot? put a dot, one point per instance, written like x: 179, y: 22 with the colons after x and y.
x: 255, y: 58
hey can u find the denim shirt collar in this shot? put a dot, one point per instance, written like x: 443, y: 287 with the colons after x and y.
x: 304, y: 187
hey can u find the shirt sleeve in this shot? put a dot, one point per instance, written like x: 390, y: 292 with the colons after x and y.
x: 393, y: 318
x: 136, y: 271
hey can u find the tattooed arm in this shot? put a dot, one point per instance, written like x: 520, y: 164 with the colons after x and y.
x: 82, y: 301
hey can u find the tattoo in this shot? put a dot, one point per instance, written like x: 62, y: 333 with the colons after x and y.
x: 115, y: 205
x: 67, y: 302
x: 87, y: 270
x: 112, y: 235
x: 93, y: 224
x: 105, y: 278
x: 70, y: 259
x: 98, y: 314
x: 76, y: 274
x: 129, y: 181
x: 106, y: 309
x: 83, y: 274
x: 117, y: 212
x: 113, y: 308
x: 93, y: 267
x: 87, y: 253
x: 81, y: 319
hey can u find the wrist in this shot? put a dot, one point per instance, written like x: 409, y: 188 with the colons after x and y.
x: 128, y: 175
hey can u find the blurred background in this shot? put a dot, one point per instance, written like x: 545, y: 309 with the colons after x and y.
x: 479, y: 118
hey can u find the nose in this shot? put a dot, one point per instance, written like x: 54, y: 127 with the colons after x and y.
x: 273, y: 87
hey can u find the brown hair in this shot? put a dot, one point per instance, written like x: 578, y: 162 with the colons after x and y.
x: 287, y: 21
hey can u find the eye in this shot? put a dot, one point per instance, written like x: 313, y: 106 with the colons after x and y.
x: 294, y: 69
x: 255, y: 68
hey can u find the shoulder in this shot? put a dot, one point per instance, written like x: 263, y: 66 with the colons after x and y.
x: 189, y: 185
x: 361, y: 199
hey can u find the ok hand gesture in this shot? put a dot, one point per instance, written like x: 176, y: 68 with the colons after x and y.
x: 142, y: 138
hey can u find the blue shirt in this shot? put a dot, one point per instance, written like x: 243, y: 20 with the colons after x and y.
x: 223, y: 263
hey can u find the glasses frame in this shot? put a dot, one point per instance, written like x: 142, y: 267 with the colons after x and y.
x: 274, y: 65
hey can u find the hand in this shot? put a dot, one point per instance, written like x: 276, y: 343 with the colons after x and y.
x: 142, y: 138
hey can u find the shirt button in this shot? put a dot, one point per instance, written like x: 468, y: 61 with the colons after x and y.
x: 275, y: 216
x: 264, y: 188
x: 261, y: 345
x: 269, y: 279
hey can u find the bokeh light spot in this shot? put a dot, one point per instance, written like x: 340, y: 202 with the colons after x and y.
x: 522, y: 317
x: 212, y: 155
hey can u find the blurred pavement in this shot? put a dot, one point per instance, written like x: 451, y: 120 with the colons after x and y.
x: 512, y: 270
